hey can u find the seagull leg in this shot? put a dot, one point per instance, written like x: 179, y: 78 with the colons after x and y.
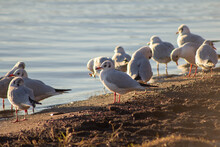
x: 211, y: 72
x: 3, y: 104
x: 190, y: 70
x: 16, y: 115
x: 114, y: 97
x: 157, y: 69
x: 119, y: 98
x: 166, y: 69
x: 203, y: 72
x: 195, y: 71
x: 26, y: 113
x: 104, y: 90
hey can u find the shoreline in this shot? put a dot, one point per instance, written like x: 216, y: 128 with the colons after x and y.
x: 165, y: 96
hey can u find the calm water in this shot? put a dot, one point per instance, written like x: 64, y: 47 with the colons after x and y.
x: 56, y: 38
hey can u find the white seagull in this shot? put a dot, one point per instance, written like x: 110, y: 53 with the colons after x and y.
x: 20, y: 96
x: 18, y: 65
x: 121, y: 59
x: 117, y: 81
x: 160, y: 51
x: 187, y: 51
x: 5, y: 80
x: 41, y: 90
x: 139, y: 67
x: 186, y: 36
x: 96, y: 62
x: 206, y: 56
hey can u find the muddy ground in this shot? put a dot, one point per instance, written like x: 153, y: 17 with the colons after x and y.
x: 181, y: 111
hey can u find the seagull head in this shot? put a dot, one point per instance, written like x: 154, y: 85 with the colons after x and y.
x: 119, y: 49
x: 16, y: 82
x: 20, y: 73
x: 154, y: 39
x: 183, y: 29
x: 106, y: 65
x: 210, y: 43
x: 20, y: 65
x: 175, y: 55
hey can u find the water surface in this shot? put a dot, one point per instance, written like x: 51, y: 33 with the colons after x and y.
x: 56, y: 38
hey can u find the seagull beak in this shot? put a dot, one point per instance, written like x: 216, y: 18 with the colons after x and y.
x: 97, y: 68
x: 177, y: 63
x: 90, y: 74
x: 11, y: 75
x: 215, y: 40
x: 177, y: 32
x: 214, y: 47
x: 148, y: 43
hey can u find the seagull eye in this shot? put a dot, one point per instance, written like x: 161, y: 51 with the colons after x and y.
x: 109, y: 65
x: 105, y: 65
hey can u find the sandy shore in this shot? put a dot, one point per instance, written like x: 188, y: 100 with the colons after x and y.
x: 181, y: 110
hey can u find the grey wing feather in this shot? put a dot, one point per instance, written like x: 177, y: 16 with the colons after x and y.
x: 207, y: 54
x: 121, y: 80
x: 4, y: 82
x: 133, y: 68
x: 29, y: 92
x: 169, y: 46
x: 128, y: 57
x: 21, y: 97
x: 193, y: 38
x: 39, y: 88
x: 145, y: 70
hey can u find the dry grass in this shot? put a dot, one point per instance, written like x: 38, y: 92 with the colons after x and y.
x: 178, y: 141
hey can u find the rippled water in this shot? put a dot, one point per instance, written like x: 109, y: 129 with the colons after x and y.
x: 56, y: 38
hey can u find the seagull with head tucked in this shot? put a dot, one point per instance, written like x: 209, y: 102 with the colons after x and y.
x: 206, y: 56
x: 161, y: 51
x: 121, y: 59
x: 139, y: 67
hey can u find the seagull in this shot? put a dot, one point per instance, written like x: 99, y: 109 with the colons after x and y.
x: 206, y: 56
x: 120, y: 59
x: 161, y: 51
x: 18, y: 65
x: 5, y: 80
x: 20, y: 96
x: 187, y: 51
x: 96, y: 62
x: 118, y: 81
x: 186, y: 36
x: 139, y: 67
x: 40, y: 90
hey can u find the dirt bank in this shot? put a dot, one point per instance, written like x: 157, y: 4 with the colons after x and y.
x: 180, y: 106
